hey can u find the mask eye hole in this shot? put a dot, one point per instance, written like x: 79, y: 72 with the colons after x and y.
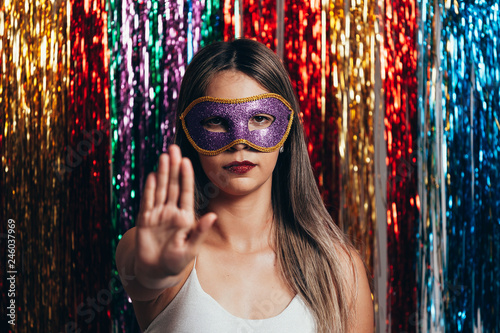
x: 260, y: 121
x: 215, y: 124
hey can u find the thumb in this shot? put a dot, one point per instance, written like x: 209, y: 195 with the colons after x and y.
x: 199, y: 233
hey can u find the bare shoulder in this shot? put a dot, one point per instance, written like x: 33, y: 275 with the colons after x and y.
x: 362, y: 302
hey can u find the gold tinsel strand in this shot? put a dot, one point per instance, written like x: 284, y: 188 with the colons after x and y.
x: 353, y: 79
x: 352, y: 32
x: 34, y: 54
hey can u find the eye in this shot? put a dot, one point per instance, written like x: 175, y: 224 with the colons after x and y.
x: 214, y: 124
x: 214, y: 121
x: 260, y: 121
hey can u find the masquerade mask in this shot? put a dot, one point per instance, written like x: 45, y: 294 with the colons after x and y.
x: 213, y: 125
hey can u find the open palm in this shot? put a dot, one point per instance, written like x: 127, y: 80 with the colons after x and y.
x: 168, y: 234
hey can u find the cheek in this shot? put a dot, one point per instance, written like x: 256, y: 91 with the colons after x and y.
x: 273, y: 158
x: 213, y: 169
x: 268, y: 163
x: 208, y: 164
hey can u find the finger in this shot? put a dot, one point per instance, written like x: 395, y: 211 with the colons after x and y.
x: 148, y: 195
x: 173, y: 181
x: 198, y: 234
x: 148, y: 198
x: 162, y: 180
x: 187, y: 185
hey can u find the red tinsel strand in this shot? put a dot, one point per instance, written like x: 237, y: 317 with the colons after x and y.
x: 399, y: 66
x: 259, y: 21
x: 89, y: 182
x: 302, y: 57
x: 229, y: 20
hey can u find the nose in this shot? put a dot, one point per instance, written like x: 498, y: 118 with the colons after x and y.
x: 239, y: 146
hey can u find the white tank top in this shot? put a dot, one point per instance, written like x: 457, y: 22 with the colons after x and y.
x: 194, y: 311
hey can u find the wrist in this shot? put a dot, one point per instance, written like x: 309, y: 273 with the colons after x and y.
x: 153, y: 281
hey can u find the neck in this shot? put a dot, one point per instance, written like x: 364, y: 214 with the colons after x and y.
x: 243, y: 223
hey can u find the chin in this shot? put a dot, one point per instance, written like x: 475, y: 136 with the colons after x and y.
x: 242, y: 187
x: 239, y: 191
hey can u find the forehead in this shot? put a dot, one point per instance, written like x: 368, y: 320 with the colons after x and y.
x: 232, y: 84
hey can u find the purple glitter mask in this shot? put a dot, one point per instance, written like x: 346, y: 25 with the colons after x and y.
x: 235, y: 114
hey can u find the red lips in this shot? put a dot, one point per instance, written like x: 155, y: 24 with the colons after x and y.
x: 239, y: 167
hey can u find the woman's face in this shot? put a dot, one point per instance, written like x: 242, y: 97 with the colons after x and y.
x: 238, y: 170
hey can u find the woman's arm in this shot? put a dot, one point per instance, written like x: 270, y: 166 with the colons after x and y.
x: 131, y: 280
x: 148, y: 303
x: 153, y: 257
x: 363, y: 320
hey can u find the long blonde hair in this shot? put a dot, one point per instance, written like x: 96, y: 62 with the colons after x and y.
x: 311, y: 250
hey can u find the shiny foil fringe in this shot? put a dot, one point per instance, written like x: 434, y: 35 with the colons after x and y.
x: 212, y: 22
x: 149, y: 46
x: 459, y: 236
x: 329, y: 53
x: 427, y: 73
x: 260, y: 21
x: 398, y: 70
x: 353, y: 101
x: 55, y: 163
x: 303, y: 59
x: 88, y: 120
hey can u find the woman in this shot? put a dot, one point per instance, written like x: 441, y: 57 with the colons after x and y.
x: 234, y: 237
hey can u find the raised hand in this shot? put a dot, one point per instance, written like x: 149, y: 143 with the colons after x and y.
x: 168, y: 234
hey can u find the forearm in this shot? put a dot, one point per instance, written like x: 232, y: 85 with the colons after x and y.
x: 136, y: 283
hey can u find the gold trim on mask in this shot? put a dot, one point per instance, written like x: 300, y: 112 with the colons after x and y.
x: 238, y: 141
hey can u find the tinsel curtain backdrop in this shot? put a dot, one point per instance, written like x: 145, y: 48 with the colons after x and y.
x: 400, y: 100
